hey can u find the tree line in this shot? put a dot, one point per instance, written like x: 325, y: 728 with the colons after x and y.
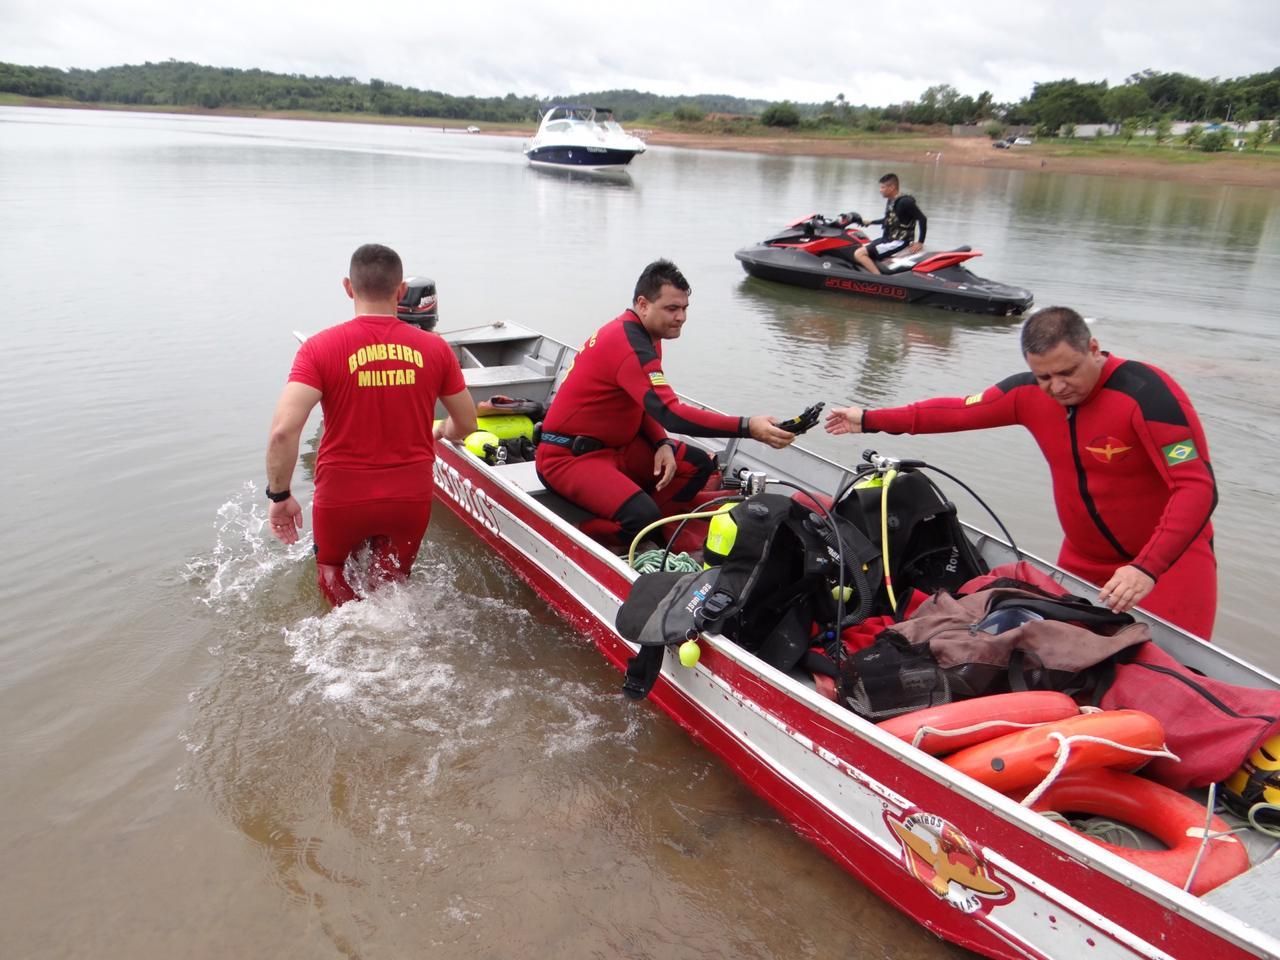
x: 1144, y: 98
x: 179, y: 84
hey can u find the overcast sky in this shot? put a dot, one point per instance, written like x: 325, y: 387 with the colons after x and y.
x: 769, y: 49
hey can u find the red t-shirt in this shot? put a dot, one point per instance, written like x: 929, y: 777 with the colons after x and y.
x: 379, y: 379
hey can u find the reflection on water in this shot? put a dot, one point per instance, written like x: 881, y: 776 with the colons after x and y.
x: 1170, y: 214
x: 619, y: 178
x: 873, y: 345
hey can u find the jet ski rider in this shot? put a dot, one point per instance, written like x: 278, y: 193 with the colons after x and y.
x: 901, y: 217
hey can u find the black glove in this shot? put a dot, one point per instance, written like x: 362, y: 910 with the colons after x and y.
x: 804, y: 422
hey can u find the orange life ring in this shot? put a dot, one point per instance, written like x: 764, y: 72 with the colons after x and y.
x: 1175, y: 820
x: 1019, y: 760
x: 990, y: 717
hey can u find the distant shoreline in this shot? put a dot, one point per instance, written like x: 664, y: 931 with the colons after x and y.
x: 1226, y: 169
x: 1229, y: 168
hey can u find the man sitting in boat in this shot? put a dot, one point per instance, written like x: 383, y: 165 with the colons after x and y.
x: 1130, y: 466
x: 901, y: 217
x: 604, y: 444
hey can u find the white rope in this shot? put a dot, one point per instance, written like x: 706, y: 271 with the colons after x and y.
x: 972, y: 728
x: 1269, y: 830
x: 1109, y: 831
x: 650, y: 560
x: 1204, y: 840
x: 1064, y: 752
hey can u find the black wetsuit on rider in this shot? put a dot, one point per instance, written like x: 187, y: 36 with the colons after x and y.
x: 901, y: 217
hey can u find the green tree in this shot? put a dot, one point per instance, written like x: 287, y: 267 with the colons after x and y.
x: 1122, y: 103
x: 1069, y: 131
x: 782, y: 114
x: 994, y: 130
x: 1164, y: 130
x: 1065, y: 101
x: 1214, y: 141
x: 1129, y: 129
x: 688, y: 113
x: 1193, y: 135
x: 1260, y: 136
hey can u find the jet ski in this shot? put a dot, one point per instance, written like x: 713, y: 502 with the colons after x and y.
x: 817, y: 252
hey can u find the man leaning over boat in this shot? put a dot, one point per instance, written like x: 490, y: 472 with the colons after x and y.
x: 604, y: 444
x: 1132, y: 481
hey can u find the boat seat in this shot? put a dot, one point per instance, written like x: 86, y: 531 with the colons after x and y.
x: 512, y: 375
x: 524, y: 475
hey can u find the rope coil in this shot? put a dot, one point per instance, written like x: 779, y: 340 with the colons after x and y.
x: 1064, y: 752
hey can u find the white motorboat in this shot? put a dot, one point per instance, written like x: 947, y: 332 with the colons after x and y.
x: 583, y: 137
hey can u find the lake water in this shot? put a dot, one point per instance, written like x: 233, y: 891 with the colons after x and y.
x: 198, y: 761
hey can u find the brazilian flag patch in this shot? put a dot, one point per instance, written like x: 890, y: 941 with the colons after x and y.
x: 658, y: 379
x: 1181, y: 452
x: 973, y: 398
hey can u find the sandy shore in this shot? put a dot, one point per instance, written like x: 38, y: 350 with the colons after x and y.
x: 1235, y: 169
x: 1243, y: 169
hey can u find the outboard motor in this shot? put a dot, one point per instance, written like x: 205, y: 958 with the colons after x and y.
x: 419, y: 304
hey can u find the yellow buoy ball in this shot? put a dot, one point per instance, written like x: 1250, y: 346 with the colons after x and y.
x: 690, y: 653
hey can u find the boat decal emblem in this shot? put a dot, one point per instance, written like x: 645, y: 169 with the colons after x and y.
x: 947, y: 862
x: 466, y: 495
x: 1108, y: 449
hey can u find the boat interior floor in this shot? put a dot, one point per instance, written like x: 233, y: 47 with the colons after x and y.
x: 1252, y: 895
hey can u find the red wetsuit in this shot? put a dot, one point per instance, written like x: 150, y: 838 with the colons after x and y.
x: 616, y: 393
x: 379, y: 379
x: 1132, y: 480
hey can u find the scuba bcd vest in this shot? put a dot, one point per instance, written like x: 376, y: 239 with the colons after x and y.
x: 928, y: 549
x: 779, y: 574
x: 774, y: 573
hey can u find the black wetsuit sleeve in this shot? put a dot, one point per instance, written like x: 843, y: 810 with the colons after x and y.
x: 909, y: 212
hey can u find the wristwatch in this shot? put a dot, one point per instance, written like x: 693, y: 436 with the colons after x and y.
x: 668, y: 442
x: 278, y: 496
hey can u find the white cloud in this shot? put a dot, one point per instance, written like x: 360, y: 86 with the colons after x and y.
x: 770, y: 49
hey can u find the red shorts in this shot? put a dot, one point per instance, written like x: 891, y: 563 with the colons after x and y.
x: 602, y: 481
x: 395, y: 527
x: 1186, y: 594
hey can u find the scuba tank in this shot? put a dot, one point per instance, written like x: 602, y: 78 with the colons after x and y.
x: 507, y: 426
x: 722, y: 533
x: 486, y: 446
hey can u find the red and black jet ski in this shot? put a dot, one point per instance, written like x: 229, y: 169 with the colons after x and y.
x: 817, y: 252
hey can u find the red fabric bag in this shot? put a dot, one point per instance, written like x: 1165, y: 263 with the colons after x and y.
x: 1021, y: 570
x: 1211, y: 725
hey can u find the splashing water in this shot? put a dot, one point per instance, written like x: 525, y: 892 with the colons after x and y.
x: 244, y: 556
